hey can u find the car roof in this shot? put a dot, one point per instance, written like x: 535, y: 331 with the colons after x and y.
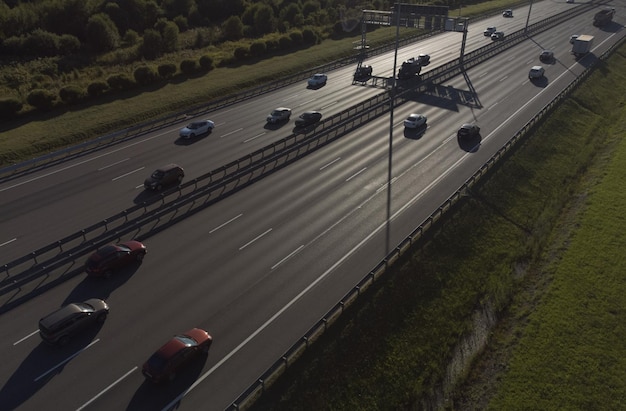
x: 282, y: 109
x: 308, y: 113
x: 62, y: 313
x: 168, y: 167
x: 537, y: 68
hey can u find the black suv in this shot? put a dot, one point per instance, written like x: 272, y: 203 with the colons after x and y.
x: 468, y: 130
x: 164, y: 176
x: 59, y: 326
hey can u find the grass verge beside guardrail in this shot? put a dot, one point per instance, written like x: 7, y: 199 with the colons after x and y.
x: 509, y: 253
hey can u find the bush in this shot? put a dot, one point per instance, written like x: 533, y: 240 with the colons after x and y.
x: 271, y: 45
x: 41, y: 99
x: 309, y: 36
x: 206, y: 62
x: 145, y: 75
x: 97, y: 88
x: 188, y: 66
x: 130, y: 38
x: 285, y: 43
x: 296, y: 37
x: 68, y: 44
x: 71, y: 94
x: 182, y: 23
x: 152, y: 46
x: 42, y: 43
x: 258, y: 48
x: 120, y: 82
x: 241, y: 53
x: 9, y: 107
x: 167, y: 70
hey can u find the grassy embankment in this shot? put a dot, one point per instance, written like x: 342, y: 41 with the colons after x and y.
x: 540, y: 244
x: 36, y: 134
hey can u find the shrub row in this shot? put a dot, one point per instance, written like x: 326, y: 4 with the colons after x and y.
x: 44, y: 100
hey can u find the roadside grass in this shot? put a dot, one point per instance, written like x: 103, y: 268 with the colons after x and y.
x: 35, y: 134
x: 539, y: 245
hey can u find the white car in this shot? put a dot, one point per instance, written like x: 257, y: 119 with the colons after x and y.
x: 197, y: 128
x: 489, y: 31
x: 415, y: 121
x: 536, y: 72
x: 318, y: 80
x: 279, y: 114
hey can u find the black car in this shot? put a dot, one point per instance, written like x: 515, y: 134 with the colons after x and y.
x: 363, y: 73
x: 59, y: 326
x: 468, y: 130
x: 167, y: 175
x: 307, y: 118
x: 546, y: 56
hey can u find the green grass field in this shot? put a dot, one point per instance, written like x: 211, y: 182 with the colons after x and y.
x: 540, y: 245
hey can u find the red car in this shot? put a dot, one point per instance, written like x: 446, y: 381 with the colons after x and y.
x: 109, y: 258
x: 176, y: 353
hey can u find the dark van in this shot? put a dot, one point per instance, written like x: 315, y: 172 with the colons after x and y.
x: 167, y: 175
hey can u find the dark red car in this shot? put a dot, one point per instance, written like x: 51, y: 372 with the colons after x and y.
x: 109, y: 258
x: 175, y: 354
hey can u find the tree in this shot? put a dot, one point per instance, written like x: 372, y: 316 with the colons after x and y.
x: 264, y: 21
x: 170, y: 36
x: 152, y: 44
x: 102, y: 33
x: 233, y: 28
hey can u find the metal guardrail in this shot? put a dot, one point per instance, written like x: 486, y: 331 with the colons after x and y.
x: 254, y: 392
x: 40, y: 262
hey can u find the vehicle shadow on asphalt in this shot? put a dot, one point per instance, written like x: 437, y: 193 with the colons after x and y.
x: 151, y: 396
x: 470, y: 145
x: 41, y: 366
x: 101, y: 288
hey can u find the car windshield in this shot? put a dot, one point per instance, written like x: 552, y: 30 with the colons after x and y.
x: 185, y: 339
x: 276, y: 113
x: 194, y: 126
x: 85, y: 307
x: 122, y: 247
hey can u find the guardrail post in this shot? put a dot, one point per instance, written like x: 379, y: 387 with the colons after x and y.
x: 34, y: 257
x: 6, y: 269
x: 60, y: 246
x: 106, y: 224
x: 84, y: 236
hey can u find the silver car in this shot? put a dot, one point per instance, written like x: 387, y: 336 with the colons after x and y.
x: 279, y: 114
x: 197, y: 128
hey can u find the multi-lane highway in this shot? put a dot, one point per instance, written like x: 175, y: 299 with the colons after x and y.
x: 261, y: 266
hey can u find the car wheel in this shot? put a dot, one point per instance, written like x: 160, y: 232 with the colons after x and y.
x: 101, y: 318
x: 171, y: 377
x: 108, y: 274
x: 140, y: 256
x: 205, y: 349
x: 192, y: 135
x: 64, y: 340
x: 180, y: 178
x: 159, y: 187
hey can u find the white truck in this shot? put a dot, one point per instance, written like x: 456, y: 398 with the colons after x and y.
x: 581, y: 45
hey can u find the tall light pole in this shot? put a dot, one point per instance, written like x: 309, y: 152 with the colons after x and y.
x: 392, y: 98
